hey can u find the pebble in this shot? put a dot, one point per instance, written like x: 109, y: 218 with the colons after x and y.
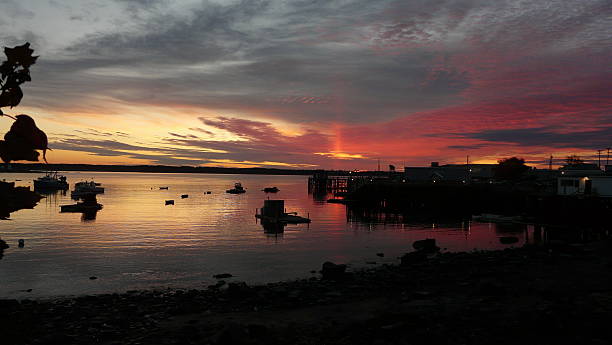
x: 222, y: 275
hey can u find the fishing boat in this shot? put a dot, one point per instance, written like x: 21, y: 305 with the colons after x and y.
x: 271, y: 189
x: 88, y: 204
x: 238, y: 189
x: 86, y: 187
x: 51, y: 181
x: 273, y: 211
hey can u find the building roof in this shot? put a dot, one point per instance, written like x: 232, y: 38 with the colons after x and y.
x: 581, y: 166
x: 435, y: 173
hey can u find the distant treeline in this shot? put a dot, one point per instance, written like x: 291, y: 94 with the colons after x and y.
x: 20, y: 167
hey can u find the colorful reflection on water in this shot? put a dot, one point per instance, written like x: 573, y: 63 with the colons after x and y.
x: 136, y: 241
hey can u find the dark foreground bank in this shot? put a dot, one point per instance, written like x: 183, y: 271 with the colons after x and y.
x: 554, y: 294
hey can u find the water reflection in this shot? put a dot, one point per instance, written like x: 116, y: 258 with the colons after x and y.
x: 45, y: 191
x: 89, y: 216
x: 273, y: 228
x: 378, y: 216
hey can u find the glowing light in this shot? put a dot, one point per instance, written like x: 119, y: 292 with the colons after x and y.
x: 341, y: 155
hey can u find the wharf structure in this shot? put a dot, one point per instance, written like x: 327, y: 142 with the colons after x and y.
x: 450, y: 173
x: 347, y: 181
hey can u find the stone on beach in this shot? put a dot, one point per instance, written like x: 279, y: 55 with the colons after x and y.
x: 427, y: 245
x: 222, y: 275
x: 333, y: 271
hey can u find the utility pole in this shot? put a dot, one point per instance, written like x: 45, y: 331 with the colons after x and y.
x: 550, y: 163
x: 608, y: 157
x: 468, y: 178
x: 599, y: 158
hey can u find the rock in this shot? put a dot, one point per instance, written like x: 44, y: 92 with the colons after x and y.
x: 332, y: 271
x: 427, y: 245
x: 222, y: 276
x: 508, y: 239
x: 412, y: 258
x: 238, y: 289
x: 3, y: 245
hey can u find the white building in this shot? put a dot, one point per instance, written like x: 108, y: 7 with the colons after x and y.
x: 585, y: 185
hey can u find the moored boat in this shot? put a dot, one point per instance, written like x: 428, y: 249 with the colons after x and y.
x: 238, y: 189
x: 273, y: 211
x: 89, y: 203
x: 271, y: 189
x: 86, y: 187
x: 51, y: 181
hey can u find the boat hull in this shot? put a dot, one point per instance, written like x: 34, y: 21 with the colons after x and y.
x: 50, y: 186
x: 80, y: 208
x: 235, y: 191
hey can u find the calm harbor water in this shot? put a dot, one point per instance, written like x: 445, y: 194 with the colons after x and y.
x: 137, y: 242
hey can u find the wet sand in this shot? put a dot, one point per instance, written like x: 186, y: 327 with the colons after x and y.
x: 558, y: 293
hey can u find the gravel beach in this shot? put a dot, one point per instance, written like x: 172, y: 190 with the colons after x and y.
x: 558, y: 293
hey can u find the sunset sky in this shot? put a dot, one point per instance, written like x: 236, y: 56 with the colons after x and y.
x: 315, y: 84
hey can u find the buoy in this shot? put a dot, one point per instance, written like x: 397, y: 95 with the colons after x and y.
x: 21, y: 243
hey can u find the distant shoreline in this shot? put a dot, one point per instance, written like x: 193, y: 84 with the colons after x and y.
x: 28, y: 168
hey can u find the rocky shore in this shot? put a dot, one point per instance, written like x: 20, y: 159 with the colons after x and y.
x: 558, y: 293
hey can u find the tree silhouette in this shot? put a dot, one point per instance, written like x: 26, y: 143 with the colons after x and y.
x: 510, y: 168
x: 24, y: 138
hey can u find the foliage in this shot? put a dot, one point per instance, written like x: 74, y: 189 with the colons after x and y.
x: 14, y: 72
x: 24, y: 138
x: 573, y: 160
x: 510, y: 168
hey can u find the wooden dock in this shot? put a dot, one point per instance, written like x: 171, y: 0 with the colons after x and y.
x: 343, y: 182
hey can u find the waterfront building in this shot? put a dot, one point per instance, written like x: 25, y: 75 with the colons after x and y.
x: 598, y: 185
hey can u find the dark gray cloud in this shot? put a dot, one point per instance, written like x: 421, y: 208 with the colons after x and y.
x: 250, y: 54
x: 547, y: 137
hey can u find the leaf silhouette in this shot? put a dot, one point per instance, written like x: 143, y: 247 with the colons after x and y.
x: 23, y: 138
x: 21, y: 55
x: 11, y: 97
x: 14, y: 72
